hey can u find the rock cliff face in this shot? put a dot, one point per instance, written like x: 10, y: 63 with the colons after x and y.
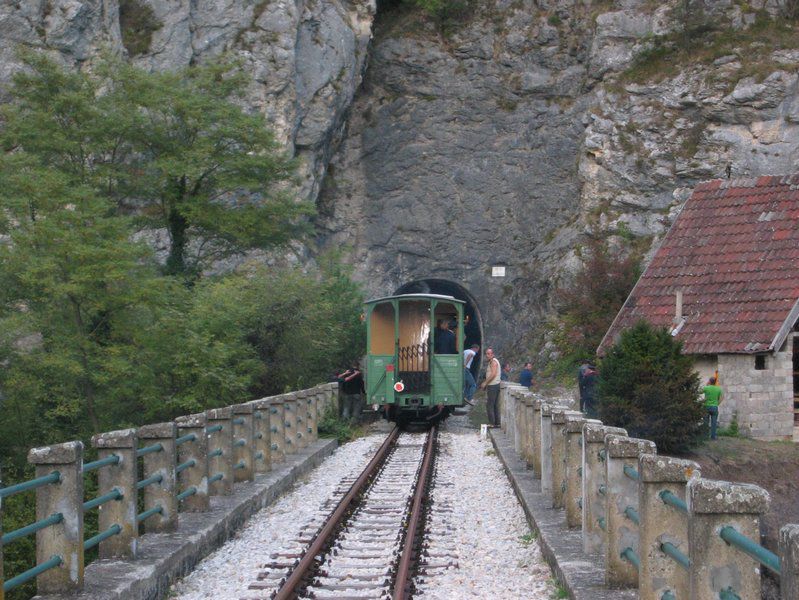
x: 524, y: 129
x: 306, y: 57
x: 501, y: 140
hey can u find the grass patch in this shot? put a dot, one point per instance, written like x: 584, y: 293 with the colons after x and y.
x: 560, y: 591
x: 668, y: 55
x: 528, y: 538
x: 332, y: 425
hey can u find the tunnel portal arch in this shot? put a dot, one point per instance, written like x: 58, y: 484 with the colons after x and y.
x: 473, y: 330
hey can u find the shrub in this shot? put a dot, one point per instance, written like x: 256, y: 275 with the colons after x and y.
x: 137, y: 22
x: 650, y: 388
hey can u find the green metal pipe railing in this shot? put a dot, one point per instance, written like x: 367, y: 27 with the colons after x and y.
x: 631, y: 556
x: 114, y: 494
x: 259, y: 456
x: 25, y: 486
x: 29, y: 529
x: 213, y: 453
x: 632, y: 514
x: 601, y: 455
x: 765, y: 557
x: 241, y: 464
x: 630, y: 472
x: 213, y: 428
x: 101, y: 537
x: 17, y: 581
x: 189, y: 437
x: 238, y: 421
x: 142, y: 516
x: 672, y: 500
x: 108, y: 460
x: 217, y: 477
x: 238, y: 443
x: 675, y: 554
x: 259, y: 436
x: 602, y: 489
x: 157, y: 478
x: 186, y: 465
x: 186, y: 493
x: 149, y: 449
x: 668, y: 595
x: 257, y: 415
x: 602, y: 525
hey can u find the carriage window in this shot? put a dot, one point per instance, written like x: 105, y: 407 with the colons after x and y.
x: 449, y: 314
x: 381, y: 327
x: 414, y: 323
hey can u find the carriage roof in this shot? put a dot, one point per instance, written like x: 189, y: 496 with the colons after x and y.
x: 416, y: 297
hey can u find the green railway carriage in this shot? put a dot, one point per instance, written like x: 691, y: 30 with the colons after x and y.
x: 405, y: 377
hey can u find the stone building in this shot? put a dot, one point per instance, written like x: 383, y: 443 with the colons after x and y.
x: 725, y: 280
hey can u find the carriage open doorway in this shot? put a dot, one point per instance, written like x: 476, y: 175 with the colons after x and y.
x: 473, y: 325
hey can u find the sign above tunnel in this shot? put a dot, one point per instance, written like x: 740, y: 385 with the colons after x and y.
x: 497, y: 271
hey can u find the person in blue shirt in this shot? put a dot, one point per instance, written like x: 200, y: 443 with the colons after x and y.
x: 526, y: 375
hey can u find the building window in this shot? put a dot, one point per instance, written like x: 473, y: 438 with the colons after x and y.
x: 760, y: 362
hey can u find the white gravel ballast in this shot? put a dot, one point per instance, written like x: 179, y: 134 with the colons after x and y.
x: 478, y: 542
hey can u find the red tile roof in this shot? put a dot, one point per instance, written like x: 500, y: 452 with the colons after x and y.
x: 734, y: 253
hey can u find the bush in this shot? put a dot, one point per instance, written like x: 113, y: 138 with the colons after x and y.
x: 650, y: 388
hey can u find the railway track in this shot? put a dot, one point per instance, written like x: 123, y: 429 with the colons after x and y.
x: 368, y: 545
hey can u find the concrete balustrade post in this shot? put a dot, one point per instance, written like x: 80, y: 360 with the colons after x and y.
x: 195, y: 450
x: 527, y: 427
x: 160, y: 464
x: 517, y: 426
x: 622, y: 492
x: 333, y: 400
x: 314, y: 412
x: 594, y: 486
x: 662, y: 523
x: 559, y: 415
x: 220, y: 451
x: 535, y: 437
x: 243, y: 453
x: 64, y: 539
x: 789, y: 562
x: 290, y: 423
x: 277, y: 429
x: 301, y: 418
x: 123, y: 477
x: 717, y: 566
x: 262, y: 435
x: 546, y: 448
x: 573, y: 500
x: 502, y: 407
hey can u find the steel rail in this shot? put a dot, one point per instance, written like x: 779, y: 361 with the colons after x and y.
x: 287, y: 590
x: 404, y: 569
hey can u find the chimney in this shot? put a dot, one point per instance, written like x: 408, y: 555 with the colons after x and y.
x: 678, y: 307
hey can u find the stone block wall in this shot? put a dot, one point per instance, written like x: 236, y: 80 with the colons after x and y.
x: 763, y: 399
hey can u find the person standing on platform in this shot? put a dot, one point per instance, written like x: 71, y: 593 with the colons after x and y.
x: 469, y: 384
x: 491, y: 385
x: 526, y: 375
x: 712, y: 394
x: 352, y: 391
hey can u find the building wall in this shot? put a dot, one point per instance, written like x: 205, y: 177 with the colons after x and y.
x: 763, y: 399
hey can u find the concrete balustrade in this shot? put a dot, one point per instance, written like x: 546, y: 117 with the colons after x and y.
x: 622, y: 494
x: 160, y: 464
x: 262, y: 435
x: 64, y: 539
x: 546, y: 448
x: 122, y: 477
x: 220, y: 451
x: 594, y: 485
x: 663, y: 523
x: 243, y: 443
x: 289, y: 423
x: 535, y: 437
x: 574, y: 468
x: 717, y: 566
x: 277, y: 429
x: 193, y: 452
x: 559, y: 416
x: 789, y: 562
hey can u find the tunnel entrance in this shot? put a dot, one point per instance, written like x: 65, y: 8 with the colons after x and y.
x: 473, y: 328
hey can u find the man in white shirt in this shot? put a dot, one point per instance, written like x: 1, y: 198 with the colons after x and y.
x: 491, y: 385
x: 469, y: 384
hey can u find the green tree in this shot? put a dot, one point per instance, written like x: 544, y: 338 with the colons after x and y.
x: 587, y: 305
x: 649, y: 387
x: 171, y: 148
